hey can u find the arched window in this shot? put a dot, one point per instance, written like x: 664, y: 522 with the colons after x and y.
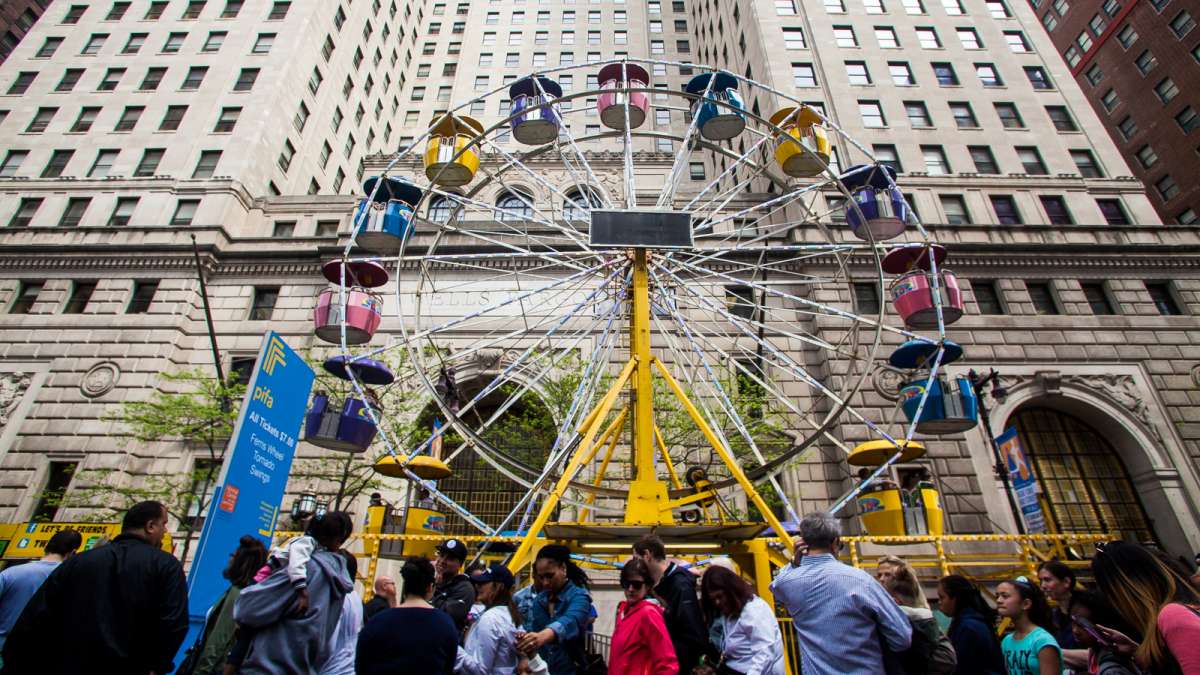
x: 514, y: 207
x: 1085, y: 486
x: 440, y: 209
x: 578, y: 203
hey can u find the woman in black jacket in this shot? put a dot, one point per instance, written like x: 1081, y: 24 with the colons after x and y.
x: 972, y: 628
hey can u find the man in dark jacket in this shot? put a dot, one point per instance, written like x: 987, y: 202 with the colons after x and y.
x: 120, y: 608
x: 676, y: 587
x: 453, y: 593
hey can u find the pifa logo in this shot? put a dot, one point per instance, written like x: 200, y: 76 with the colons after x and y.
x: 274, y: 355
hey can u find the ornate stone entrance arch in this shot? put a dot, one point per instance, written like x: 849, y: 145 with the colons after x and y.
x: 1117, y: 401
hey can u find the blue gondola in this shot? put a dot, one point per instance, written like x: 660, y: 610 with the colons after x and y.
x: 536, y: 121
x: 345, y: 427
x: 385, y: 222
x: 719, y: 115
x: 951, y: 406
x: 884, y: 213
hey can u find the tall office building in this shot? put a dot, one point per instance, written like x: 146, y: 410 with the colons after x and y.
x: 129, y: 126
x: 16, y: 20
x: 1138, y: 63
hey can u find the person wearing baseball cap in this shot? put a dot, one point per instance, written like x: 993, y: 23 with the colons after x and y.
x: 491, y: 644
x: 453, y: 593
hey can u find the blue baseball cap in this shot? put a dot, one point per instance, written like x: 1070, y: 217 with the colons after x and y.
x: 497, y: 573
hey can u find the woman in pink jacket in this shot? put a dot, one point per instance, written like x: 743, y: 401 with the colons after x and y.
x: 640, y: 643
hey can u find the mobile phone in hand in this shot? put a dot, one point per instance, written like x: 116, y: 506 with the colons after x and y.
x: 1090, y: 628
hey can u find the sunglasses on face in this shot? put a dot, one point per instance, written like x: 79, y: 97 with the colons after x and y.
x: 633, y: 584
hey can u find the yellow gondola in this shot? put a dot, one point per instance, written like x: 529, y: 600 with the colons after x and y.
x: 452, y: 134
x: 802, y: 150
x: 886, y: 509
x: 424, y: 466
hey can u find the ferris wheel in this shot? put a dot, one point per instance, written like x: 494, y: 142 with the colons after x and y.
x: 643, y: 255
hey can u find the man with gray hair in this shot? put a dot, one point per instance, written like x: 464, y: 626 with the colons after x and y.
x: 842, y: 616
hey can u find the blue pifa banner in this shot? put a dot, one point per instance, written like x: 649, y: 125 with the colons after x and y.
x: 1024, y: 482
x: 251, y: 484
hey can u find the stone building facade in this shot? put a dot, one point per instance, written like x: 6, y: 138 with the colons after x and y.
x: 1077, y: 294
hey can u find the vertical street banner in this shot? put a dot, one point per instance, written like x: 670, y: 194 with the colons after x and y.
x: 250, y: 487
x: 1024, y: 482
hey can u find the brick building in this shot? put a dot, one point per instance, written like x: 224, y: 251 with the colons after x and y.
x: 1138, y: 63
x: 16, y: 20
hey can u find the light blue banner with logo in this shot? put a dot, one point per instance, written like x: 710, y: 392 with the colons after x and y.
x: 1024, y: 481
x: 254, y: 475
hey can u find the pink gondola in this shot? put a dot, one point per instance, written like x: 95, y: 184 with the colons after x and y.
x: 611, y: 103
x: 912, y: 293
x: 363, y: 311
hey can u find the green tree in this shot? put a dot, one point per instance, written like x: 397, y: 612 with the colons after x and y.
x: 190, y: 408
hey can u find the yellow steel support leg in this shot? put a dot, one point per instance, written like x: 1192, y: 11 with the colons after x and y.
x: 608, y: 455
x: 662, y: 448
x: 375, y: 515
x: 761, y: 556
x: 723, y: 452
x: 521, y: 557
x: 647, y: 494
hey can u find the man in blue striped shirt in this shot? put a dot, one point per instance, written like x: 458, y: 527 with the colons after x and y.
x: 842, y: 616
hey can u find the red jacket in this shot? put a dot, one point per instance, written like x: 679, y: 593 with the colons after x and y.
x: 640, y: 643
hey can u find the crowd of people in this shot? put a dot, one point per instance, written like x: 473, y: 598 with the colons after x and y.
x: 122, y: 608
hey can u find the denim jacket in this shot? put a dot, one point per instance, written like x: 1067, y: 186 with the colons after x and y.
x: 572, y: 612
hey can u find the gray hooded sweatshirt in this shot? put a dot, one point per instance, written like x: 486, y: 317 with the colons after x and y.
x: 286, y: 644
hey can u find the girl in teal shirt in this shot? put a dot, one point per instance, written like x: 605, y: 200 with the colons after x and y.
x: 1029, y: 649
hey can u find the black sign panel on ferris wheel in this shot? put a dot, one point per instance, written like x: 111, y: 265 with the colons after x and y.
x: 641, y: 228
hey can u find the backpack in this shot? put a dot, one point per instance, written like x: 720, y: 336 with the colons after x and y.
x: 930, y: 652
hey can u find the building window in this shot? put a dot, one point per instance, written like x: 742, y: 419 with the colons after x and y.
x: 1166, y: 187
x: 1031, y: 161
x: 111, y: 77
x: 25, y: 212
x: 21, y: 84
x: 214, y: 42
x: 886, y: 154
x: 12, y: 162
x: 1187, y: 217
x: 1110, y: 100
x: 969, y: 38
x: 41, y: 120
x: 1127, y: 36
x: 984, y: 160
x: 928, y: 38
x: 94, y: 43
x: 964, y: 116
x: 1061, y: 118
x: 1145, y: 62
x: 73, y: 215
x: 1056, y: 210
x: 918, y: 115
x: 1163, y: 296
x: 264, y: 42
x: 1097, y: 298
x: 1146, y: 156
x: 845, y: 37
x: 785, y: 7
x: 1038, y: 78
x: 58, y: 481
x: 327, y: 228
x: 1187, y: 119
x: 81, y: 293
x: 901, y: 74
x: 1182, y: 24
x: 998, y: 9
x: 123, y: 211
x: 936, y: 163
x: 74, y: 14
x: 856, y: 73
x: 103, y: 164
x: 987, y: 297
x: 696, y: 170
x: 793, y: 38
x: 129, y: 118
x: 153, y: 78
x: 195, y: 76
x: 283, y: 229
x: 874, y: 6
x: 285, y: 157
x: 1042, y: 298
x: 955, y: 208
x: 866, y: 298
x: 227, y: 120
x: 174, y: 43
x: 1016, y: 41
x: 945, y: 75
x: 185, y: 212
x: 246, y: 79
x: 1166, y: 90
x: 207, y: 164
x: 1127, y: 127
x: 69, y: 79
x: 872, y: 114
x: 1085, y: 161
x: 988, y: 75
x: 803, y: 75
x: 1006, y: 210
x: 149, y: 162
x: 1113, y: 211
x: 262, y: 304
x: 135, y: 43
x: 27, y: 295
x: 57, y: 164
x: 1094, y: 74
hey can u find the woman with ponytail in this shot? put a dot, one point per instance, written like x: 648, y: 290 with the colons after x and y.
x: 560, y: 613
x: 1155, y: 601
x: 972, y: 627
